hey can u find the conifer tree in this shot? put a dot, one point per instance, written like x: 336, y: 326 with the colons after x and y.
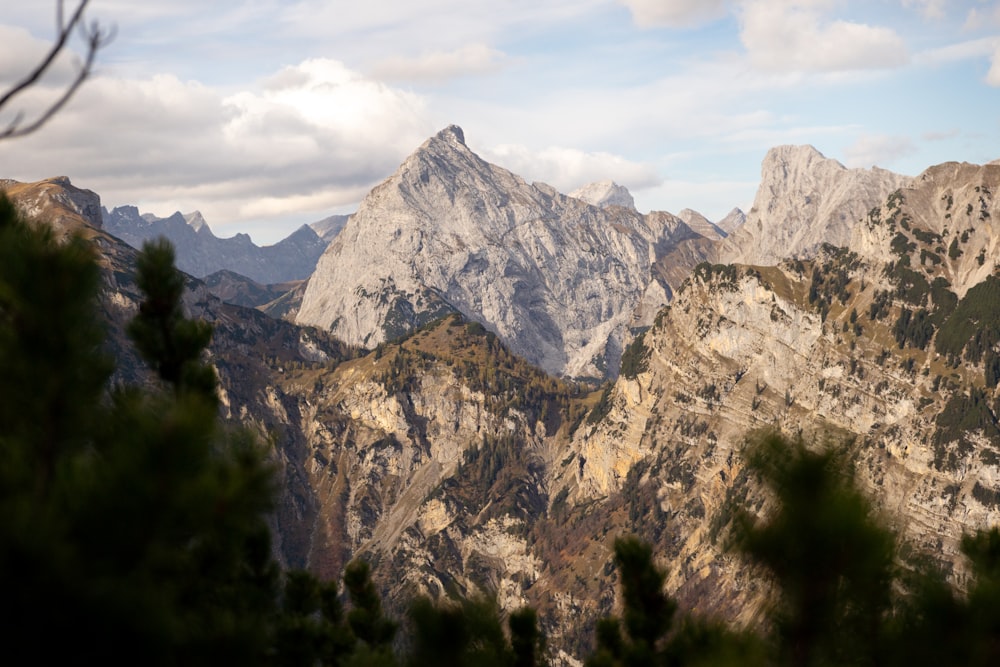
x: 131, y: 523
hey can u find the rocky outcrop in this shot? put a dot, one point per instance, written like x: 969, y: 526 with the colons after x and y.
x: 200, y: 252
x: 605, y: 193
x: 805, y: 200
x: 702, y: 225
x: 554, y: 277
x: 329, y: 227
x: 733, y: 220
x: 57, y: 201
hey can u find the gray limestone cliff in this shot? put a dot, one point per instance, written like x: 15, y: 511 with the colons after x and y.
x: 805, y: 200
x: 605, y: 193
x: 555, y: 278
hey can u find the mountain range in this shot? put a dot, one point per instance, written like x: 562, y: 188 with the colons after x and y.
x: 524, y: 375
x: 200, y: 252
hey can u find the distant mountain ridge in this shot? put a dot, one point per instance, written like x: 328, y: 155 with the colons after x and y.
x: 200, y: 252
x: 805, y: 200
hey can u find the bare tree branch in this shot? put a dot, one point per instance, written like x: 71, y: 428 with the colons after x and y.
x: 95, y: 38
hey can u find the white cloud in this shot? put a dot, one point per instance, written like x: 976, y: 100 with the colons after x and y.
x: 567, y: 168
x: 314, y: 136
x: 877, y: 150
x: 993, y: 76
x: 441, y: 65
x: 958, y: 51
x: 793, y: 35
x: 675, y: 13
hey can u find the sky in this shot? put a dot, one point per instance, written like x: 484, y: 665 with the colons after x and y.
x: 268, y: 114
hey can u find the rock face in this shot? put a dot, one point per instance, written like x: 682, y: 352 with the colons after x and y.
x: 733, y: 220
x: 56, y: 200
x: 200, y: 252
x: 328, y: 228
x: 555, y: 278
x: 805, y: 200
x: 701, y: 224
x: 605, y: 193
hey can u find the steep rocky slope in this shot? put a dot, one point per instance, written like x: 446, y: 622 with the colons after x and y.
x: 200, y: 252
x: 605, y: 193
x: 443, y: 468
x: 329, y: 227
x: 555, y: 278
x: 804, y: 200
x: 701, y: 224
x: 57, y: 201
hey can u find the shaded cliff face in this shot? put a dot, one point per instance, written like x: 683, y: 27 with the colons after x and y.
x: 201, y: 253
x: 555, y: 278
x: 804, y: 200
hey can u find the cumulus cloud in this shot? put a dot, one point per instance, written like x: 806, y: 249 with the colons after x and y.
x: 877, y: 150
x: 993, y: 76
x: 675, y: 13
x: 313, y: 136
x: 794, y: 35
x: 441, y: 65
x: 567, y: 168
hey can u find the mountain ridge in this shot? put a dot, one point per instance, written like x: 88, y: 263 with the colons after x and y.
x: 556, y: 278
x: 200, y: 252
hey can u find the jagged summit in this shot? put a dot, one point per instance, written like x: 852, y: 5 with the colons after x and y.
x: 201, y: 253
x: 732, y: 221
x: 329, y: 227
x: 197, y: 222
x: 555, y: 278
x: 452, y: 133
x: 699, y: 223
x: 605, y: 193
x: 56, y: 200
x: 804, y: 200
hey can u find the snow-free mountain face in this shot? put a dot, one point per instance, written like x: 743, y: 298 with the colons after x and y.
x: 805, y: 200
x: 733, y: 220
x: 329, y: 227
x: 699, y: 223
x: 57, y: 201
x: 200, y: 252
x: 605, y: 193
x: 555, y: 278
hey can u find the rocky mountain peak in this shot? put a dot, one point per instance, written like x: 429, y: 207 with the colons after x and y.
x: 699, y: 223
x: 732, y: 221
x: 67, y: 207
x: 556, y: 279
x: 201, y: 253
x: 197, y: 221
x: 452, y: 134
x: 804, y: 200
x: 605, y: 193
